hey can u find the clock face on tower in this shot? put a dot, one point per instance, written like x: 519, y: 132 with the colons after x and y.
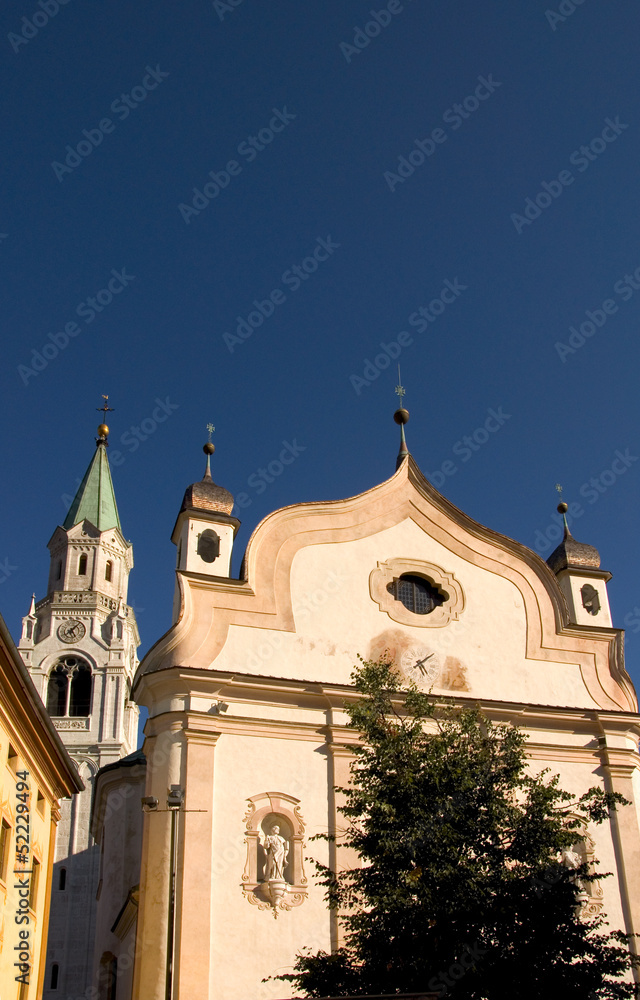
x: 71, y: 630
x: 421, y: 665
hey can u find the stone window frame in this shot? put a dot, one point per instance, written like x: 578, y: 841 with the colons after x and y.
x: 70, y: 673
x: 287, y: 807
x: 387, y: 572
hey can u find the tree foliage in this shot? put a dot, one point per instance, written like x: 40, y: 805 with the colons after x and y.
x: 461, y: 890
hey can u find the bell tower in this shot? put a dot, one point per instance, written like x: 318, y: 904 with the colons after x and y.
x: 79, y: 644
x: 583, y: 583
x: 204, y: 530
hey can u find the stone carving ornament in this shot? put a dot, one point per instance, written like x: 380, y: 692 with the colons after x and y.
x: 591, y: 894
x: 273, y: 877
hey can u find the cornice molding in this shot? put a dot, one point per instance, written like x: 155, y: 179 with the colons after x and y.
x: 286, y: 695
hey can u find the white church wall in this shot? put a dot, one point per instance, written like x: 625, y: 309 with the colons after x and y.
x: 247, y: 691
x: 245, y: 767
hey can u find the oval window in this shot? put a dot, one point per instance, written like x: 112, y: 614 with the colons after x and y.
x: 417, y: 594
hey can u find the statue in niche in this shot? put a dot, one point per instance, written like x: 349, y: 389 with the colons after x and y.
x: 572, y: 860
x: 277, y: 853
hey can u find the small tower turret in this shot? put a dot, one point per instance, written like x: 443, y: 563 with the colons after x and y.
x: 204, y: 530
x: 583, y: 583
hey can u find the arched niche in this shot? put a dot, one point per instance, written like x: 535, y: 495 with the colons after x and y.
x: 266, y: 811
x: 583, y: 852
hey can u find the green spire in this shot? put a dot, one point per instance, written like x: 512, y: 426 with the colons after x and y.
x: 95, y: 500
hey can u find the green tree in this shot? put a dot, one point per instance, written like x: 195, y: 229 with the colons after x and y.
x: 460, y: 891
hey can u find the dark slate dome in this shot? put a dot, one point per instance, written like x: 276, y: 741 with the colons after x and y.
x: 206, y: 495
x: 571, y: 554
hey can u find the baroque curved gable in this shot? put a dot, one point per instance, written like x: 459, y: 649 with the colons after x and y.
x: 314, y: 594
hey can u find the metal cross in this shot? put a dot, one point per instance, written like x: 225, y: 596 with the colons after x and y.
x: 559, y: 489
x: 211, y: 429
x: 399, y: 389
x: 105, y: 408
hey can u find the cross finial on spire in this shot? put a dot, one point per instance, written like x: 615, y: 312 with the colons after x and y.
x: 562, y: 508
x: 105, y: 408
x: 103, y: 430
x: 399, y: 390
x: 209, y: 449
x: 401, y: 417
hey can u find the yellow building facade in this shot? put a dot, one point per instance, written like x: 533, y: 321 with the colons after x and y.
x: 35, y: 773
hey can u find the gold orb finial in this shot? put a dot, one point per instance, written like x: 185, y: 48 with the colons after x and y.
x: 103, y: 430
x: 562, y: 507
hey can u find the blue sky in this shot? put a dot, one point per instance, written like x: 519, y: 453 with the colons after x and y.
x: 234, y: 212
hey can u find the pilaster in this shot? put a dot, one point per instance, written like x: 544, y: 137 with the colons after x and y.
x: 163, y: 749
x: 194, y: 918
x: 622, y: 774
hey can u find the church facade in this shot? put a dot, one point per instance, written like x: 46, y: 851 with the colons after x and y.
x: 79, y: 645
x: 247, y: 734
